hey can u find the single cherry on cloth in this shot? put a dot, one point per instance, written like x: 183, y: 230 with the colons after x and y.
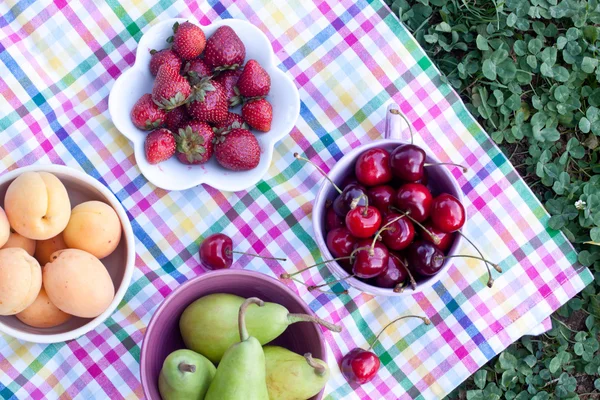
x: 216, y: 252
x: 430, y: 233
x: 382, y: 197
x: 342, y: 204
x: 340, y: 242
x: 398, y: 231
x: 360, y: 366
x: 332, y: 220
x: 372, y: 167
x: 370, y: 259
x: 447, y: 213
x: 407, y: 162
x: 415, y: 199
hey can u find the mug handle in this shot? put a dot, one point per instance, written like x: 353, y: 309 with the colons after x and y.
x: 394, y: 123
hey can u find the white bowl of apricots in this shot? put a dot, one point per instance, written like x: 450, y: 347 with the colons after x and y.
x: 66, y: 253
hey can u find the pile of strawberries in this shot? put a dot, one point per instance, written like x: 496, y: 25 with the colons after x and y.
x: 197, y: 81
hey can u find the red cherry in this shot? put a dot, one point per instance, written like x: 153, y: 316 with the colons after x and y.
x: 424, y: 258
x: 416, y: 199
x: 360, y: 366
x: 399, y: 234
x: 395, y: 273
x: 445, y: 239
x: 332, y: 220
x: 447, y: 213
x: 382, y: 197
x: 340, y: 242
x: 373, y: 167
x: 369, y: 266
x: 341, y: 204
x: 216, y: 252
x: 407, y: 161
x: 363, y: 221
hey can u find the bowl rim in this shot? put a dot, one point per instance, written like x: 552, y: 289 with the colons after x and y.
x: 334, y: 267
x: 223, y: 183
x: 129, y: 264
x: 145, y: 379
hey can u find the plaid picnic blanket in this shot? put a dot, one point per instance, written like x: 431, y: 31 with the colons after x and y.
x: 58, y: 62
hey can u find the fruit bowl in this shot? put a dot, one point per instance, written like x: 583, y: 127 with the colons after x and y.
x: 162, y: 335
x: 440, y: 179
x: 120, y: 264
x: 172, y: 175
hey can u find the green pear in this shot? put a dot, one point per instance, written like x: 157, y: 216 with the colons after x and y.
x: 209, y: 325
x: 241, y: 372
x: 291, y: 376
x: 185, y: 375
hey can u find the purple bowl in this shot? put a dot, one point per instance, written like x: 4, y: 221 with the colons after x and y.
x: 440, y: 181
x: 162, y: 335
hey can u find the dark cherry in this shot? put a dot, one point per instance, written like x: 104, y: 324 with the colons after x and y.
x: 416, y: 199
x: 363, y: 221
x: 445, y: 239
x: 369, y: 266
x: 398, y: 234
x: 447, y: 213
x: 395, y: 273
x: 360, y: 366
x: 216, y: 251
x: 340, y: 242
x: 332, y: 220
x: 424, y: 179
x: 372, y: 167
x: 382, y: 197
x: 341, y: 204
x: 424, y: 258
x: 407, y: 161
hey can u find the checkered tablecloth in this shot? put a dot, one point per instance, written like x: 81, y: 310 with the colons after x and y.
x: 58, y: 62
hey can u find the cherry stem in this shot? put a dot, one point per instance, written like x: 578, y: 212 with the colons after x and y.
x: 355, y: 202
x: 185, y: 367
x: 293, y: 318
x: 256, y: 255
x: 299, y: 157
x: 487, y: 264
x: 425, y: 320
x: 401, y: 114
x: 464, y: 169
x: 380, y: 231
x: 413, y: 283
x: 288, y: 276
x: 317, y: 288
x: 436, y: 240
x: 319, y: 368
x: 496, y: 266
x: 399, y: 288
x: 313, y: 287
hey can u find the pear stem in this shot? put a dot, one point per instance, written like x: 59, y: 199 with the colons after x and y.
x: 293, y: 318
x: 425, y: 320
x: 464, y: 169
x: 319, y: 368
x: 241, y: 316
x: 299, y: 157
x: 289, y: 276
x: 256, y: 255
x: 487, y: 264
x: 380, y: 231
x: 185, y: 367
x: 401, y: 114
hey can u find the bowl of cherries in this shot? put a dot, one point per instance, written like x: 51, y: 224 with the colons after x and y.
x: 389, y: 215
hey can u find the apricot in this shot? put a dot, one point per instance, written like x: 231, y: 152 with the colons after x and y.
x: 4, y: 227
x: 78, y: 283
x: 16, y: 240
x: 94, y: 227
x: 20, y: 280
x: 37, y: 205
x: 42, y: 313
x: 45, y: 248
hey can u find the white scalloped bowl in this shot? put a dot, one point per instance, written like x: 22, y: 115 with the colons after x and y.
x: 171, y: 174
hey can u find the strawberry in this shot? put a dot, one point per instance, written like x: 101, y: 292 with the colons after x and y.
x: 254, y: 80
x: 258, y: 114
x: 188, y: 40
x: 208, y: 102
x: 159, y: 146
x: 224, y: 49
x: 166, y: 56
x: 229, y: 79
x: 237, y: 150
x: 170, y: 88
x: 146, y: 115
x: 233, y: 121
x: 196, y: 70
x: 176, y: 119
x: 194, y: 143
